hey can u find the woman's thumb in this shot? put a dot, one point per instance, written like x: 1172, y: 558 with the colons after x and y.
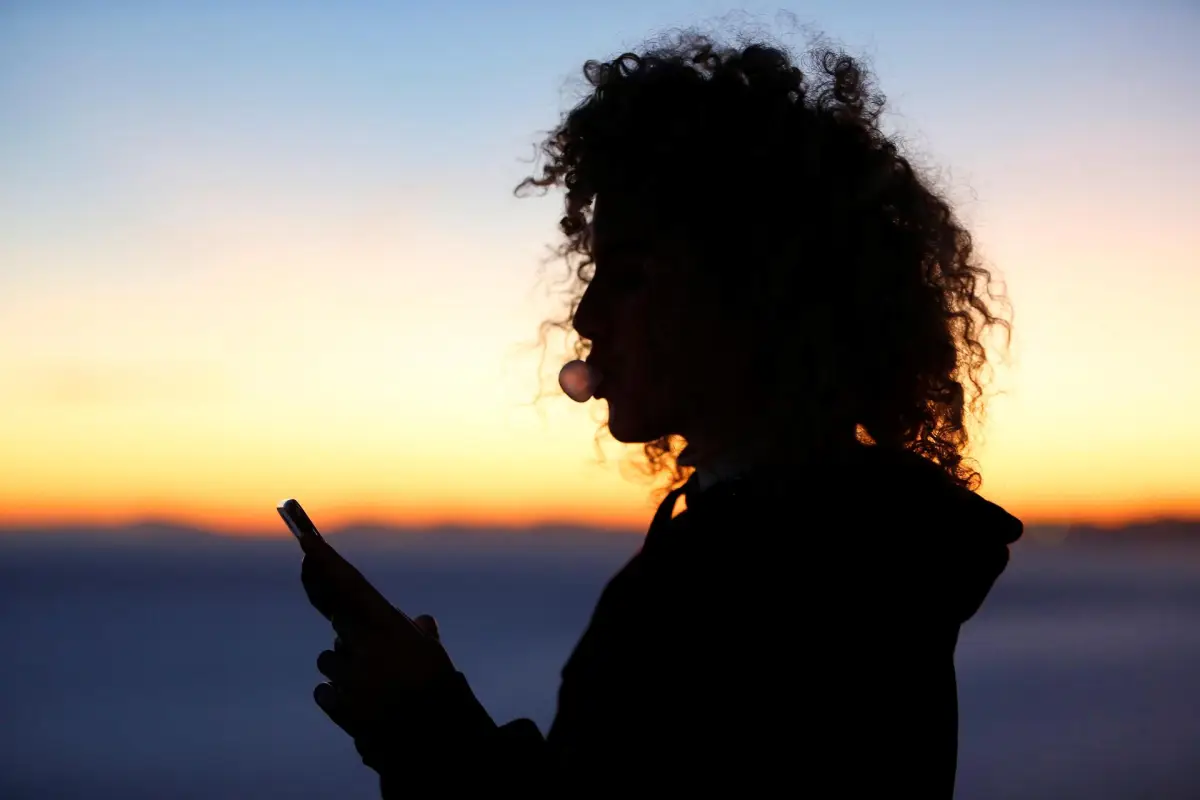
x: 428, y: 626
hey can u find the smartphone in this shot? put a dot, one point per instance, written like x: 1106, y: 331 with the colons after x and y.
x: 297, y: 521
x: 360, y: 588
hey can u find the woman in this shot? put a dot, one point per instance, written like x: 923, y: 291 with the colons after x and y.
x: 789, y: 319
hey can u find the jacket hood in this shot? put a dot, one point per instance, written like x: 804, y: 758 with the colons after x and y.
x: 965, y: 537
x: 960, y: 537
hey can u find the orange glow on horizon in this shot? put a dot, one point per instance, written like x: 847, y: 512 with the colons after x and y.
x: 632, y: 520
x: 628, y: 509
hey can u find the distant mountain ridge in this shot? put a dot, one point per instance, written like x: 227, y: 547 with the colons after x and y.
x: 449, y: 540
x: 547, y: 535
x: 1148, y: 530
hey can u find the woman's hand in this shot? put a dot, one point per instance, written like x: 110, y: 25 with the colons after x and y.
x: 382, y: 662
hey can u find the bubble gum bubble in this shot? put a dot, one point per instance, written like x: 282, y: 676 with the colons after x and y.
x: 578, y: 380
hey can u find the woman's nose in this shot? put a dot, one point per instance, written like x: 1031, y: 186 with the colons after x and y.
x: 588, y: 319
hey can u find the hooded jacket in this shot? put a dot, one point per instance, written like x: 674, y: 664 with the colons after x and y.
x: 791, y: 631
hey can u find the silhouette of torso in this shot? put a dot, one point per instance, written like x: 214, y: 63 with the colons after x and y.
x: 790, y: 631
x: 787, y: 632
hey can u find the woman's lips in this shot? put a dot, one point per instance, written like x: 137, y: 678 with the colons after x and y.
x: 598, y: 378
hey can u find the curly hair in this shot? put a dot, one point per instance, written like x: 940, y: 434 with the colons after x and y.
x: 868, y: 293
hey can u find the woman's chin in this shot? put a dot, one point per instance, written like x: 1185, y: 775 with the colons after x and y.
x: 622, y: 436
x: 631, y: 431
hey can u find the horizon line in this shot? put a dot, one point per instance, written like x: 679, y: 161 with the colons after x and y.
x: 499, y: 528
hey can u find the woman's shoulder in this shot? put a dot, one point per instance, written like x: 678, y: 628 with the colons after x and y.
x: 870, y: 494
x: 891, y: 528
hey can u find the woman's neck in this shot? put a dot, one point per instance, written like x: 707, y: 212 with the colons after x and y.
x: 715, y: 464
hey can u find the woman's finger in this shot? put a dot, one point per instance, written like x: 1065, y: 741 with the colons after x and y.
x: 428, y: 626
x: 336, y: 707
x: 333, y: 665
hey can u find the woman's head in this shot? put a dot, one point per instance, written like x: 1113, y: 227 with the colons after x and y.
x: 752, y: 259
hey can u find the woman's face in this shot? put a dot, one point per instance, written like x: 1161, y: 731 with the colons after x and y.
x: 662, y: 353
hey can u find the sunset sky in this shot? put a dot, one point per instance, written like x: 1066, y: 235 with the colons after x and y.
x: 256, y: 250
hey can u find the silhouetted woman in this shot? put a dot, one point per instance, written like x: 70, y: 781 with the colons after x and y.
x: 789, y: 318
